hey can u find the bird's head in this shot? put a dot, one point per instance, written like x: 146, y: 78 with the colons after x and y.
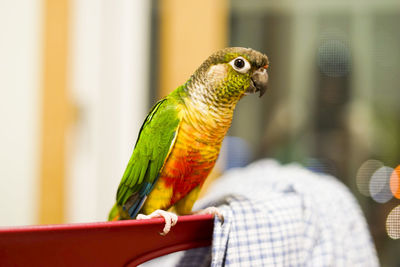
x: 231, y: 73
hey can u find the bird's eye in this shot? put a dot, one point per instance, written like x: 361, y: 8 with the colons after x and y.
x: 240, y: 64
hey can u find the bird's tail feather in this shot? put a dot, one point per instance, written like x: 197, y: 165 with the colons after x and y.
x: 114, y: 213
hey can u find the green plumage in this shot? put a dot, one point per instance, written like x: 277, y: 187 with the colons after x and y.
x: 151, y: 149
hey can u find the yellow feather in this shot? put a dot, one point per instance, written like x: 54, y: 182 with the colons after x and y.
x: 159, y: 198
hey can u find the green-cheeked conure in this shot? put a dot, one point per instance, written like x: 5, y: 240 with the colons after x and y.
x: 181, y: 137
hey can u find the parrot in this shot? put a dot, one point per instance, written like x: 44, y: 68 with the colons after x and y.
x: 180, y: 139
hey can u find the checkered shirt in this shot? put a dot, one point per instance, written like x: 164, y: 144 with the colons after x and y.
x: 278, y: 215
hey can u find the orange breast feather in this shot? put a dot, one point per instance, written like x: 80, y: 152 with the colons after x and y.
x: 188, y: 165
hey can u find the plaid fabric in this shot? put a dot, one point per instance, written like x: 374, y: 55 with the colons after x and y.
x: 283, y: 216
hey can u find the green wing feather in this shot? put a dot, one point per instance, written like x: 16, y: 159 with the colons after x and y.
x: 152, y: 147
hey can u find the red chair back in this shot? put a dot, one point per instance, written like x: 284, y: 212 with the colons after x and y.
x: 121, y: 243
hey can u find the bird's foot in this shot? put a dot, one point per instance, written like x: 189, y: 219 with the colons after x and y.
x: 212, y: 210
x: 170, y: 219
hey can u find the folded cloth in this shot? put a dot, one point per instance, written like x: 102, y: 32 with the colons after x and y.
x: 278, y: 215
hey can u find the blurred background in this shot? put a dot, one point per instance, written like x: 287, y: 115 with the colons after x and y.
x: 78, y: 77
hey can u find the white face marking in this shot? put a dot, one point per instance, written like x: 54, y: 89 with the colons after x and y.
x: 240, y: 64
x: 217, y: 72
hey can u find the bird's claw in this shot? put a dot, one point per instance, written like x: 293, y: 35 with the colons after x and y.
x: 212, y: 210
x: 170, y: 219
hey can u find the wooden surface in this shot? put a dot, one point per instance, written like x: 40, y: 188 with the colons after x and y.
x: 56, y: 112
x: 190, y: 31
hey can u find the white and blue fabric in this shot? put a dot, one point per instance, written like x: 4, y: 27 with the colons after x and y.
x: 283, y: 216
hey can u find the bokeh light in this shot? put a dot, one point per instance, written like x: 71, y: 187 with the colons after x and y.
x: 393, y: 223
x: 364, y: 175
x: 238, y: 151
x: 379, y: 185
x: 395, y: 182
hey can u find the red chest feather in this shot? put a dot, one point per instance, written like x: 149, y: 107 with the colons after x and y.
x: 184, y: 170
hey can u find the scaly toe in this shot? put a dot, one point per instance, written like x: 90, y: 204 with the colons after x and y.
x: 170, y: 219
x: 142, y: 217
x: 213, y: 211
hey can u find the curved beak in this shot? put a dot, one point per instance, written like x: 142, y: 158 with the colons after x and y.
x: 259, y: 81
